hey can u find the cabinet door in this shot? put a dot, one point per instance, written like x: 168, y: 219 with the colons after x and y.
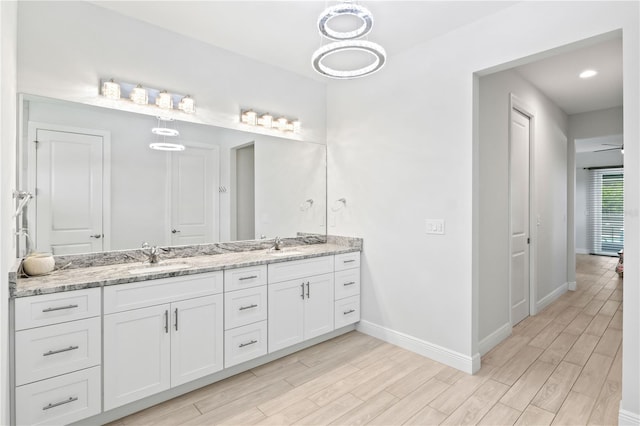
x: 319, y: 304
x: 286, y: 314
x: 136, y: 354
x: 197, y: 338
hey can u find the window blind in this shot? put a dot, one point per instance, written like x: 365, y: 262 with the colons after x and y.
x: 605, y: 202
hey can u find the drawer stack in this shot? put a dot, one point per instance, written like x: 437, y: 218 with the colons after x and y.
x: 347, y: 290
x: 58, y: 350
x: 245, y: 316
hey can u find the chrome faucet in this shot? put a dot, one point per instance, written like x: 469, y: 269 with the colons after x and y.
x: 151, y: 252
x: 277, y: 243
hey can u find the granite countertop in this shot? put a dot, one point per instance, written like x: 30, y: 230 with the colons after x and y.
x: 77, y: 278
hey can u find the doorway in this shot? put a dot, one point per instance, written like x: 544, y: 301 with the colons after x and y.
x: 244, y: 192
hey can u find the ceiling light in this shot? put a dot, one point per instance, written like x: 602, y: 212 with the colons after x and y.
x: 187, y: 104
x: 588, y: 73
x: 164, y: 100
x: 345, y: 9
x: 111, y: 89
x: 375, y: 50
x: 139, y: 95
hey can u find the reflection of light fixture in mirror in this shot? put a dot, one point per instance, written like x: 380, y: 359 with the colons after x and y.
x: 139, y: 95
x: 347, y: 42
x: 306, y: 205
x: 588, y: 73
x: 266, y: 120
x: 166, y: 146
x: 111, y: 89
x: 339, y: 204
x: 164, y: 129
x: 164, y: 100
x: 187, y: 104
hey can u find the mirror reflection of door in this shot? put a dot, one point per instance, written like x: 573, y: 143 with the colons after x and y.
x: 194, y: 196
x: 245, y: 193
x: 69, y: 192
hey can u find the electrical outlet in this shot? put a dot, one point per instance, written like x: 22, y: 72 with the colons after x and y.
x: 435, y: 226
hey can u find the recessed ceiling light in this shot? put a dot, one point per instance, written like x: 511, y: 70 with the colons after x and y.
x: 588, y: 73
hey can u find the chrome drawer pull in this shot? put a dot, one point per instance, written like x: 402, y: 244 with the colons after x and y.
x: 57, y: 404
x: 247, y: 278
x: 242, y: 345
x: 59, y: 308
x: 349, y: 283
x: 348, y: 261
x: 70, y: 348
x: 349, y: 311
x: 242, y: 308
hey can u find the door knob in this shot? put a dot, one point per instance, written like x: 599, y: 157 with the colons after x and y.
x: 95, y: 236
x: 174, y: 231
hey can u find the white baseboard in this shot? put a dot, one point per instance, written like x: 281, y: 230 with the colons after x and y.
x: 572, y: 286
x: 446, y: 356
x: 582, y: 251
x: 627, y: 418
x: 551, y: 297
x: 494, y: 338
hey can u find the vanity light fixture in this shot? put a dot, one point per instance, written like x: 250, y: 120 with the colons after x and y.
x: 141, y: 95
x: 111, y: 89
x: 266, y: 120
x: 346, y: 42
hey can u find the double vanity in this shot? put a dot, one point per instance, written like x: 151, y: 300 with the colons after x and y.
x: 95, y: 343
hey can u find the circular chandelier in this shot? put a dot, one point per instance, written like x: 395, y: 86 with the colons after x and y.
x: 347, y: 41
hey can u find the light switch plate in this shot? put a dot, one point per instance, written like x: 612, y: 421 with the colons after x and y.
x: 435, y: 226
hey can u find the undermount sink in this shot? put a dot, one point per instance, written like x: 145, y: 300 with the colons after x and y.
x: 155, y: 268
x: 284, y: 252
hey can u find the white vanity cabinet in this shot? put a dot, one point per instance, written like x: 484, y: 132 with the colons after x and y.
x: 301, y: 301
x: 159, y: 334
x: 57, y: 356
x: 347, y: 289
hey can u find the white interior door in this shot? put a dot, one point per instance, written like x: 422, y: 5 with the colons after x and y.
x: 194, y: 196
x: 69, y: 199
x: 519, y: 215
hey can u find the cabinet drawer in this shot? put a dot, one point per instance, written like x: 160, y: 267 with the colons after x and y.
x: 47, y: 309
x: 124, y: 297
x: 285, y: 271
x: 347, y: 311
x: 60, y: 400
x: 347, y: 261
x: 241, y: 278
x: 244, y: 307
x: 245, y: 343
x: 57, y: 349
x: 347, y: 283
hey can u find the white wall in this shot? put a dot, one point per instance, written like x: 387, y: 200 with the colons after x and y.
x: 67, y: 47
x: 548, y: 199
x: 401, y: 150
x: 8, y: 59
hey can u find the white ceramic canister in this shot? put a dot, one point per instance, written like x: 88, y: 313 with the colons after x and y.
x: 38, y: 263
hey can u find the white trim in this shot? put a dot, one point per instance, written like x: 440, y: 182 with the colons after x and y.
x: 551, y: 297
x: 572, y: 286
x: 627, y: 418
x: 492, y: 340
x: 446, y: 356
x: 582, y: 251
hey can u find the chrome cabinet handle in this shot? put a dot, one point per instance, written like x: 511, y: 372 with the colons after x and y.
x: 349, y: 283
x: 348, y: 261
x: 302, y: 295
x: 57, y: 404
x: 242, y: 308
x: 166, y: 321
x: 70, y: 348
x: 176, y: 324
x: 349, y: 311
x: 247, y: 278
x: 174, y: 231
x: 59, y: 308
x: 308, y: 289
x: 95, y: 236
x: 242, y: 345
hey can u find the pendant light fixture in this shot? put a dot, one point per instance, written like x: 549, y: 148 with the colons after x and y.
x: 347, y: 41
x: 166, y: 128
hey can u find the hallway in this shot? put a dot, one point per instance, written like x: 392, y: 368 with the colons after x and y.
x: 562, y: 366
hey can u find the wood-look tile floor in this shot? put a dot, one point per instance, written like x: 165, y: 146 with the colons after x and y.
x: 562, y: 366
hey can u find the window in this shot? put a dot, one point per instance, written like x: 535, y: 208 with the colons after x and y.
x: 606, y: 210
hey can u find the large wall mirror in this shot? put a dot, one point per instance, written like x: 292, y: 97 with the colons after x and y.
x: 98, y: 186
